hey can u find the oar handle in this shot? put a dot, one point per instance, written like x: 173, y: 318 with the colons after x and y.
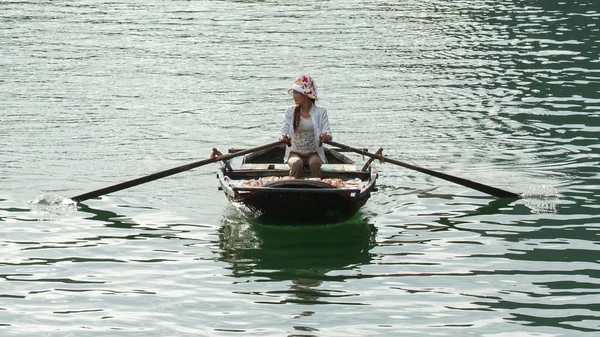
x: 166, y: 173
x: 494, y: 191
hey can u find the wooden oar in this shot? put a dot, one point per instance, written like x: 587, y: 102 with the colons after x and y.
x: 461, y: 181
x: 166, y: 173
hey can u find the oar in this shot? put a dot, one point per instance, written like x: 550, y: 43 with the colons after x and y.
x: 461, y: 181
x: 166, y: 173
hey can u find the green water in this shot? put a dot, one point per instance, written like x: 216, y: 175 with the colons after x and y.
x: 505, y: 93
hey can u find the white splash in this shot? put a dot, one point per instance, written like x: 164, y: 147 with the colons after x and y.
x: 541, y: 199
x: 54, y: 204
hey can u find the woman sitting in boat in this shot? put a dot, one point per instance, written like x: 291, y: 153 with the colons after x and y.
x: 305, y: 127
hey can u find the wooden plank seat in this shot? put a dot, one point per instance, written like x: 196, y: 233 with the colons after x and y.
x: 344, y: 172
x: 324, y: 167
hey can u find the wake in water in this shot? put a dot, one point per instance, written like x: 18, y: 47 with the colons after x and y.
x: 541, y: 199
x: 54, y: 204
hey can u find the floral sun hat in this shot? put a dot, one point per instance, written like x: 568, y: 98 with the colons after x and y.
x: 304, y: 84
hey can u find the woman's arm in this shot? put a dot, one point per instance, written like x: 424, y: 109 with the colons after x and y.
x: 325, y: 128
x: 286, y: 126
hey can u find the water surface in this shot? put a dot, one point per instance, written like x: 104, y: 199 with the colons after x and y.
x: 504, y: 93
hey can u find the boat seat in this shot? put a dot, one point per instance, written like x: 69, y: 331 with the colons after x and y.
x: 337, y: 167
x: 324, y: 167
x: 265, y: 167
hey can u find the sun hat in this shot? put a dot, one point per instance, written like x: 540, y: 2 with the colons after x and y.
x: 304, y: 84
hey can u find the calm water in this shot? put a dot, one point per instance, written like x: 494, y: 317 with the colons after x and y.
x: 505, y: 93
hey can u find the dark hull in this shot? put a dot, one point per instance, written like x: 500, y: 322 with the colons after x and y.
x: 291, y: 207
x: 295, y: 201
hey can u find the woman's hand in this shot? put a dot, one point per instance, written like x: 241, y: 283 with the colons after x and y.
x: 325, y: 137
x: 285, y: 138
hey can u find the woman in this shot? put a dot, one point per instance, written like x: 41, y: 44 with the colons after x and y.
x: 305, y: 127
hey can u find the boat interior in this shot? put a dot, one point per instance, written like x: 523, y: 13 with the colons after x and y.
x: 269, y: 162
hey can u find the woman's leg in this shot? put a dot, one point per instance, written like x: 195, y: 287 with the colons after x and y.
x: 296, y: 165
x: 314, y: 165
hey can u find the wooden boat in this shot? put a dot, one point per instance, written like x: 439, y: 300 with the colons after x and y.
x: 258, y: 184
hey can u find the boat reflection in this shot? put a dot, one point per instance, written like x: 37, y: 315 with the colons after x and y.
x: 306, y: 256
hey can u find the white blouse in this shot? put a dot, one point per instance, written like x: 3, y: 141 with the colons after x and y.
x: 320, y: 123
